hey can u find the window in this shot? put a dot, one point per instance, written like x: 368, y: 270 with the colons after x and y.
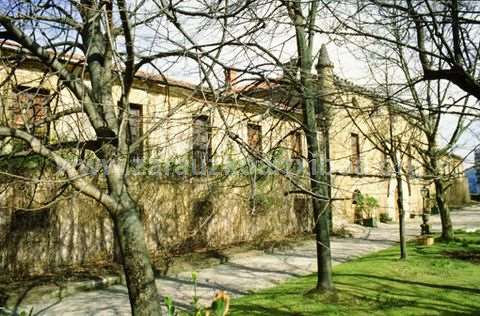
x: 386, y: 164
x: 254, y: 132
x: 201, y: 153
x: 30, y: 220
x: 356, y: 196
x: 410, y: 168
x: 135, y: 128
x: 355, y: 157
x: 29, y: 108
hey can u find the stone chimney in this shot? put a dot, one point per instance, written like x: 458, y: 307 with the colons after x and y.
x: 324, y: 69
x: 231, y: 77
x: 324, y: 59
x: 326, y: 84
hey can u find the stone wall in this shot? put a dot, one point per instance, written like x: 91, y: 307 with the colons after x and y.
x: 179, y: 216
x: 213, y: 213
x: 71, y: 230
x: 458, y: 193
x: 44, y: 226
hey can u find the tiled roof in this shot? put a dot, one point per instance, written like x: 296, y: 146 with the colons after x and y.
x: 141, y: 75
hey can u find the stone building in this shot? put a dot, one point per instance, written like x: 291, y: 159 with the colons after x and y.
x: 197, y: 175
x: 457, y: 188
x: 473, y: 176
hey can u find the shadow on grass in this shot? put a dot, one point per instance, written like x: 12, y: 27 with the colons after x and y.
x: 364, y: 294
x: 256, y: 309
x: 437, y: 286
x: 262, y: 270
x: 396, y: 293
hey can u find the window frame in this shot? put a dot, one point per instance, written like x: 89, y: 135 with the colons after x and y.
x: 355, y: 153
x: 201, y: 152
x: 252, y: 130
x: 139, y: 152
x: 30, y: 220
x: 20, y: 120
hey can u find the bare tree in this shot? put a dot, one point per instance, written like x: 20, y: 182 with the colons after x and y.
x: 432, y: 46
x: 434, y: 151
x: 388, y: 135
x: 300, y: 94
x: 441, y: 37
x: 304, y: 20
x: 92, y: 47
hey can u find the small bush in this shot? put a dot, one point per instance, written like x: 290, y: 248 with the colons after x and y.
x: 367, y: 205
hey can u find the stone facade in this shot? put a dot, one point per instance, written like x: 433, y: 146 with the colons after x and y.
x: 44, y: 225
x: 457, y: 193
x: 179, y: 216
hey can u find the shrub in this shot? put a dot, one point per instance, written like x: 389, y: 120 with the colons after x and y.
x: 367, y: 205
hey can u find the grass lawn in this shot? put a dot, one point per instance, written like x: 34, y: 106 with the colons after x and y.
x: 443, y: 279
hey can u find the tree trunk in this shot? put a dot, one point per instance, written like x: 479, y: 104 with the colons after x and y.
x: 321, y: 216
x: 130, y: 236
x: 142, y: 291
x: 401, y: 209
x: 401, y: 217
x: 319, y: 185
x: 447, y: 228
x: 317, y: 169
x: 322, y: 237
x: 328, y: 168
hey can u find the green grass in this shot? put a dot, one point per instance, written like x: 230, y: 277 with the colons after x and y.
x: 428, y: 283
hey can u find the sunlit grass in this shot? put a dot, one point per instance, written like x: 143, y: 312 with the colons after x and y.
x: 428, y: 283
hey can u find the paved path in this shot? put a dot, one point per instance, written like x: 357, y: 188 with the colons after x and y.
x: 241, y: 275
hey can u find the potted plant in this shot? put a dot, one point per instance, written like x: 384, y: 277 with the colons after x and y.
x: 368, y: 206
x: 425, y: 240
x: 385, y: 218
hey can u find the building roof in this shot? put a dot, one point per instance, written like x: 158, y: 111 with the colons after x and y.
x: 256, y: 88
x: 13, y: 46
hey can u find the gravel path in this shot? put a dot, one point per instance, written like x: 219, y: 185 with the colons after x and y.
x: 244, y: 274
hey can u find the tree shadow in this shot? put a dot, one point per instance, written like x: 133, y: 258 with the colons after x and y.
x: 377, y: 294
x: 257, y: 310
x: 263, y: 270
x: 214, y: 286
x: 388, y: 292
x: 390, y: 279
